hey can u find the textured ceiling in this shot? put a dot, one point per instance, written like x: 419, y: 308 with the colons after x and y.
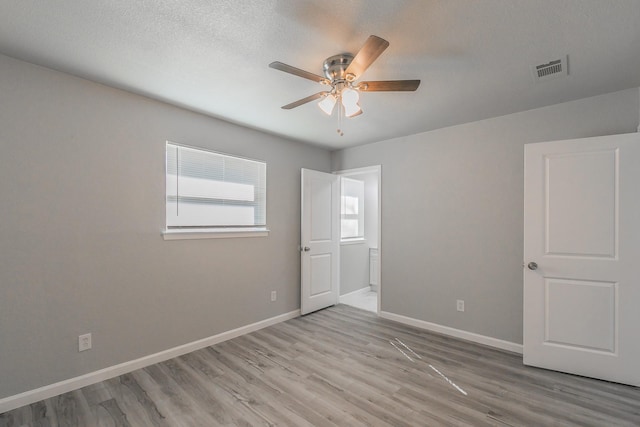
x: 474, y: 57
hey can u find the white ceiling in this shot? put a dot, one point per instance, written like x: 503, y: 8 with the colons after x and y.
x: 474, y: 57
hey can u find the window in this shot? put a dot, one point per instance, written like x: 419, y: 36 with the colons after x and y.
x: 352, y: 209
x: 209, y: 191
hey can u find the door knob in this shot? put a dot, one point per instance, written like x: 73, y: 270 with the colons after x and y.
x: 532, y: 266
x: 306, y: 249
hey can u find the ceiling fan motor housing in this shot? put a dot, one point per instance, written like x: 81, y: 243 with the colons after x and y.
x: 335, y: 67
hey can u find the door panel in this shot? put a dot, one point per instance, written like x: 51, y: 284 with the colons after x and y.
x: 320, y: 240
x: 320, y: 210
x: 581, y: 314
x: 581, y: 228
x: 581, y: 203
x: 320, y: 274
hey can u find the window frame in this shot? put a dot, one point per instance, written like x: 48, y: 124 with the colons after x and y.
x: 212, y: 232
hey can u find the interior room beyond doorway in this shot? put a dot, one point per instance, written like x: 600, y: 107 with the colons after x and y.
x: 360, y: 238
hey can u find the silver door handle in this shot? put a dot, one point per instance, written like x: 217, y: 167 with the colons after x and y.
x: 306, y: 249
x: 532, y: 266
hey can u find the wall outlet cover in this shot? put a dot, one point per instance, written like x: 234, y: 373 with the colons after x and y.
x: 84, y: 342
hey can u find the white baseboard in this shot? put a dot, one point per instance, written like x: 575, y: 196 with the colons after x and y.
x: 32, y: 396
x: 356, y: 292
x: 458, y: 333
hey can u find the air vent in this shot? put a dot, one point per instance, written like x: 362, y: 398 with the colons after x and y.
x: 550, y: 70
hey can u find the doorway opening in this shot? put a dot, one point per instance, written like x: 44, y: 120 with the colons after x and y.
x: 360, y: 231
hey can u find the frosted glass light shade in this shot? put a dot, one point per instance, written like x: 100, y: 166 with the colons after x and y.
x: 350, y: 100
x: 327, y: 104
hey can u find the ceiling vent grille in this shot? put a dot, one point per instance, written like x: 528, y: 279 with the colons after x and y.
x: 550, y: 70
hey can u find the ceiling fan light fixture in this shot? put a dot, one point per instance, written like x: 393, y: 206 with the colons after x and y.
x: 341, y: 73
x: 327, y: 103
x: 352, y: 111
x: 350, y: 100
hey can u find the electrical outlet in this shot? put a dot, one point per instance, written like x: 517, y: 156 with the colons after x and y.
x: 274, y: 295
x: 460, y: 305
x: 84, y: 342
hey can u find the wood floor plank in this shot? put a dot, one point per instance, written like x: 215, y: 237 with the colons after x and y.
x: 217, y: 387
x: 340, y: 367
x: 244, y: 382
x: 135, y: 401
x: 105, y: 409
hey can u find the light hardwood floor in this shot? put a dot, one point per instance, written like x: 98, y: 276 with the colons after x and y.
x: 340, y: 367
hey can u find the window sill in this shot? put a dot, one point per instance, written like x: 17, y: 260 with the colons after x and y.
x: 356, y: 241
x: 212, y: 233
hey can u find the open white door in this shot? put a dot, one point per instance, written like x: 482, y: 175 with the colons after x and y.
x: 320, y: 240
x: 581, y: 249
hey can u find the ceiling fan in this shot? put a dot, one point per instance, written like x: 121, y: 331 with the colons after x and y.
x: 341, y: 74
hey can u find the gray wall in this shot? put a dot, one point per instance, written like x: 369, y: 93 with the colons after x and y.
x: 452, y: 210
x: 82, y: 188
x: 354, y: 267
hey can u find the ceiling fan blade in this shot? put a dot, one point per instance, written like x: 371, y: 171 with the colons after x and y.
x: 373, y: 47
x: 389, y: 85
x: 304, y: 100
x: 297, y: 72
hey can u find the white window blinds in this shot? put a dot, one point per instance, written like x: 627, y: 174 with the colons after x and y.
x: 207, y: 189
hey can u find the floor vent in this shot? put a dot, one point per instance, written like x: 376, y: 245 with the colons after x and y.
x: 550, y: 70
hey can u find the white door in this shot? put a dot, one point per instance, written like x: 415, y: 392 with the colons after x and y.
x: 320, y: 240
x: 582, y: 251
